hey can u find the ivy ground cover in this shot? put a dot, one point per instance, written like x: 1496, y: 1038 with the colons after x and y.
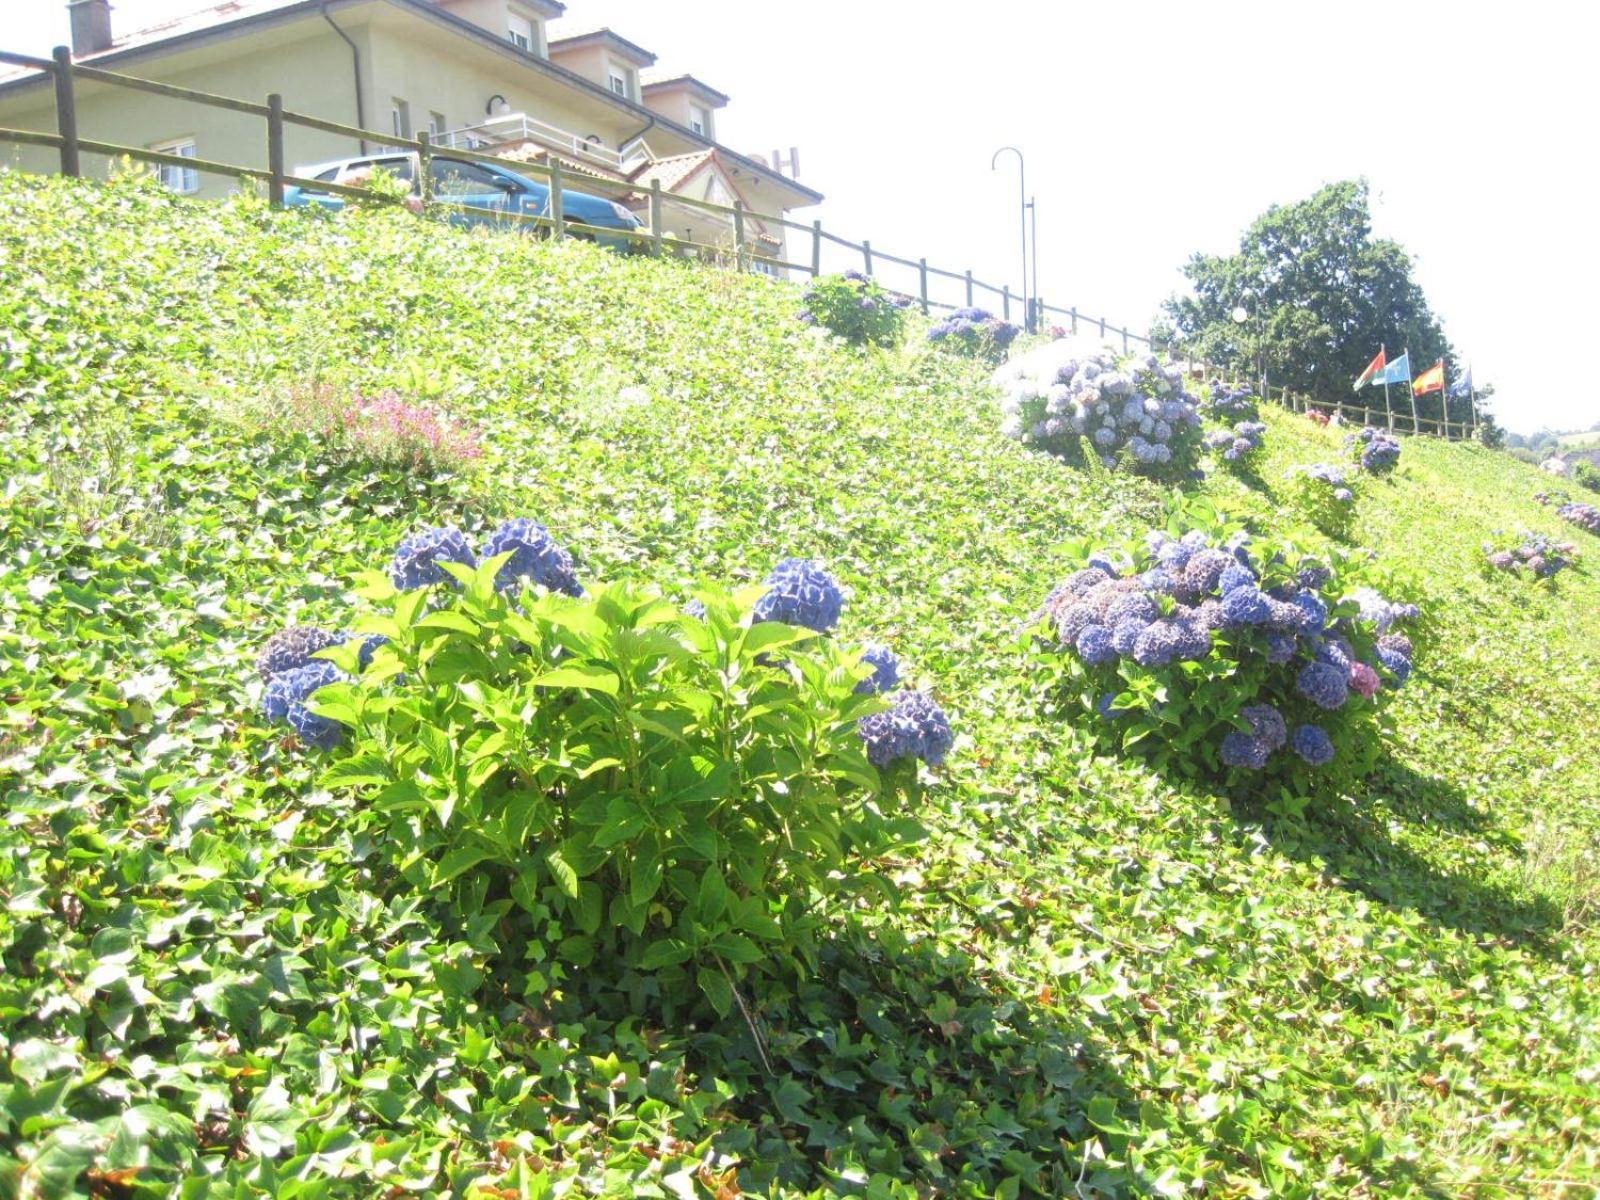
x: 1098, y: 982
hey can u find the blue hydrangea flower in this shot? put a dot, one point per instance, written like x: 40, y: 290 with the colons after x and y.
x: 1106, y: 706
x: 1125, y: 634
x: 1157, y: 581
x: 1245, y: 606
x: 1206, y: 571
x: 1094, y: 645
x: 1281, y: 647
x: 885, y: 670
x: 801, y: 593
x: 1266, y: 723
x: 317, y: 732
x: 1234, y: 577
x: 1240, y: 749
x: 1312, y: 743
x: 913, y: 727
x: 1314, y: 608
x: 535, y: 556
x: 1324, y: 684
x: 1395, y: 663
x: 1191, y: 642
x: 696, y: 608
x: 369, y: 647
x: 416, y: 560
x: 1314, y: 577
x: 1134, y: 606
x: 292, y: 648
x: 292, y: 686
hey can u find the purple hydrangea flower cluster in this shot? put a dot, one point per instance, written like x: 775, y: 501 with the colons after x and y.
x: 1381, y: 614
x: 1584, y: 516
x: 294, y: 647
x: 975, y: 332
x: 1331, y: 477
x: 417, y: 558
x: 885, y: 670
x: 1171, y: 603
x: 1378, y: 451
x: 1267, y: 734
x: 1543, y: 556
x: 286, y: 696
x: 1239, y: 443
x: 1066, y: 392
x: 912, y: 727
x: 1313, y: 745
x: 1229, y: 404
x: 801, y: 593
x: 535, y: 556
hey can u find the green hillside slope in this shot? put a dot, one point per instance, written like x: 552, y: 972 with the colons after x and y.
x: 1098, y: 984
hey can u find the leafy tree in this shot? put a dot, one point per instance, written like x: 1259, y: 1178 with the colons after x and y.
x: 1318, y: 295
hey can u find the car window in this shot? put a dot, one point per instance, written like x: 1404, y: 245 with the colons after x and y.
x: 329, y: 175
x: 400, y: 168
x: 452, y: 177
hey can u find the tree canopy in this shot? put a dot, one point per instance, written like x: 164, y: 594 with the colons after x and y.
x: 1318, y: 295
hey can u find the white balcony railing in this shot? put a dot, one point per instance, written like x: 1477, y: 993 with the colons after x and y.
x: 520, y: 127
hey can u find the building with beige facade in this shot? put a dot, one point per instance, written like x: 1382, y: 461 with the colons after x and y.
x: 506, y: 77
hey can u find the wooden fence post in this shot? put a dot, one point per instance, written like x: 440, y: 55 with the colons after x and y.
x: 1074, y: 320
x: 738, y: 235
x: 66, y: 113
x: 558, y: 219
x: 969, y: 287
x: 275, y: 149
x: 424, y: 167
x: 866, y: 256
x: 1102, y: 328
x: 1124, y: 341
x: 922, y: 272
x: 1005, y: 302
x: 655, y: 217
x: 816, y: 248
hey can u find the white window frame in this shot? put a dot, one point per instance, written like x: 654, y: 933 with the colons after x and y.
x: 185, y: 181
x: 522, y: 38
x: 400, y: 117
x: 700, y: 121
x: 437, y: 125
x: 616, y: 73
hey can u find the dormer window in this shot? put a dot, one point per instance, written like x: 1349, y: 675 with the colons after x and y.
x: 622, y: 79
x: 700, y: 121
x: 525, y: 31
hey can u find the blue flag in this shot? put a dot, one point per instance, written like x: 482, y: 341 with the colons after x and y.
x: 1399, y: 371
x: 1462, y: 388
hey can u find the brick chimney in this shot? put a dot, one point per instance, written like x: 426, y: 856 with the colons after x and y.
x: 91, y: 26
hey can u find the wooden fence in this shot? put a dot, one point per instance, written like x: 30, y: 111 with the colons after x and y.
x: 651, y: 238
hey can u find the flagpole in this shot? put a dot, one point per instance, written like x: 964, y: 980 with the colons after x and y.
x: 1388, y: 409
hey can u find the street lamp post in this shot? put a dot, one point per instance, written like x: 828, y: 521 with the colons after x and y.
x: 1033, y: 236
x: 1022, y: 213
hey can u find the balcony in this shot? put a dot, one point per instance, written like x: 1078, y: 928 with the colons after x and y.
x: 516, y: 128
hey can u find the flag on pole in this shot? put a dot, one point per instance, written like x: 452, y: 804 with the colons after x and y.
x: 1399, y: 371
x: 1462, y: 388
x: 1431, y: 380
x: 1369, y: 375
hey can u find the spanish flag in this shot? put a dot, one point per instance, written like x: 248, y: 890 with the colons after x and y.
x: 1373, y: 368
x: 1431, y: 380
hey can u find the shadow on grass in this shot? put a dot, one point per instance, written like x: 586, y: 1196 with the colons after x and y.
x: 1358, y: 841
x: 899, y: 1060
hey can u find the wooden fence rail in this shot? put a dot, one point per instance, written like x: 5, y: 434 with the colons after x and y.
x: 651, y: 238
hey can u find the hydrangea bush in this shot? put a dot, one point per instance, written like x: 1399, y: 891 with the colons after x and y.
x: 1129, y: 411
x: 1219, y: 655
x: 667, y: 790
x: 856, y: 308
x: 975, y: 333
x: 1543, y: 556
x: 1377, y: 452
x: 1240, y: 445
x: 1584, y: 516
x: 1323, y: 494
x: 630, y: 786
x: 1229, y: 404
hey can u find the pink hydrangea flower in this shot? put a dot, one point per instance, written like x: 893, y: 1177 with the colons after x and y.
x: 1363, y: 679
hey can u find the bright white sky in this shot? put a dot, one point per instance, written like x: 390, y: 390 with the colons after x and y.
x: 1154, y: 129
